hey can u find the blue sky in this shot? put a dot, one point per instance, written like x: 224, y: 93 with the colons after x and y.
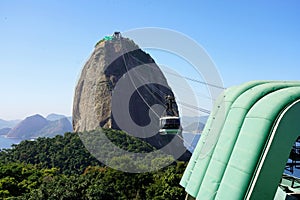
x: 44, y: 44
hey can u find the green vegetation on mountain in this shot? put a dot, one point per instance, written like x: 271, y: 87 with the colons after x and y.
x: 62, y: 168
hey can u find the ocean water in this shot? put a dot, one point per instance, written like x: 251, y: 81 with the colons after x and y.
x: 6, y: 143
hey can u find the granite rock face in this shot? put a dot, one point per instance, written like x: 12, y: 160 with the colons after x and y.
x: 119, y: 69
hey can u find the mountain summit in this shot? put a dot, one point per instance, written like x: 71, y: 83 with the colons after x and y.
x: 37, y: 126
x: 121, y: 86
x: 28, y: 127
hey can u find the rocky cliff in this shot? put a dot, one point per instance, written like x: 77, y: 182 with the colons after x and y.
x: 121, y: 87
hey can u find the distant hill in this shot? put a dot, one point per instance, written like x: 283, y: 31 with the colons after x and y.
x: 54, y: 117
x: 4, y: 131
x: 57, y: 127
x: 8, y: 124
x: 192, y: 129
x: 191, y: 140
x: 38, y: 126
x: 28, y: 127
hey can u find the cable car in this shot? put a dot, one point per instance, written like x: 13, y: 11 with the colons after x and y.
x: 169, y: 125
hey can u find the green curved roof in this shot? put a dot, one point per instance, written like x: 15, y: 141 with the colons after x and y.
x: 246, y: 142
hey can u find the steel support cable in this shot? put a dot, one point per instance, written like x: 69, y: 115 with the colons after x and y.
x: 124, y: 60
x: 197, y: 81
x: 159, y: 91
x: 194, y: 107
x: 179, y: 102
x: 188, y: 78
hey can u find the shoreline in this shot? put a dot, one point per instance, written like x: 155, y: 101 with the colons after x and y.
x: 7, y: 137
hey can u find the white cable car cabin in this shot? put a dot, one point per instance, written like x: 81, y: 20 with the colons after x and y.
x: 169, y: 125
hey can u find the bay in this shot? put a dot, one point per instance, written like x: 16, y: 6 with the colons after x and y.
x: 5, y: 143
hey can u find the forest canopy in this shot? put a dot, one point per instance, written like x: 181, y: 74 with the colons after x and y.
x: 62, y: 168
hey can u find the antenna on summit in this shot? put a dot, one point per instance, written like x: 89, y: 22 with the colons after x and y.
x: 117, y: 34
